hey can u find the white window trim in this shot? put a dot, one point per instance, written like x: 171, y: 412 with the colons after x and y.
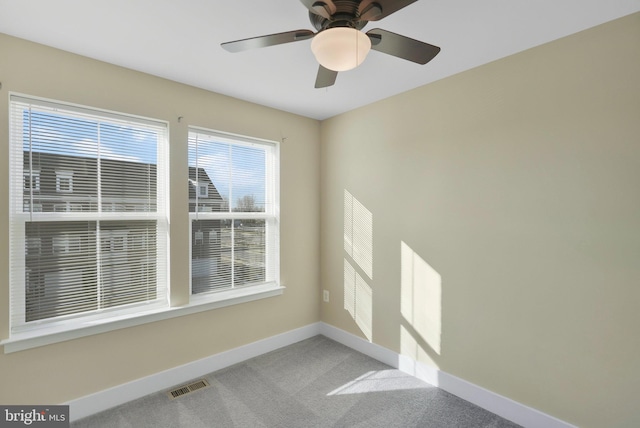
x: 35, y: 175
x: 64, y: 175
x: 46, y: 336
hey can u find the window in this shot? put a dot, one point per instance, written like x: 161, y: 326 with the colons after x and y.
x: 37, y: 208
x: 33, y: 246
x: 64, y: 181
x: 203, y: 190
x: 31, y: 180
x: 234, y: 231
x: 64, y: 243
x: 91, y: 244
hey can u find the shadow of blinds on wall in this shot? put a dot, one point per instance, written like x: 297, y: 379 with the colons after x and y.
x: 358, y: 246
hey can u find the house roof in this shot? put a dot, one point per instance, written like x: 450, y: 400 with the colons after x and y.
x: 47, y: 164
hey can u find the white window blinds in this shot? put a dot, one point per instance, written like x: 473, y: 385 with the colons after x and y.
x: 234, y: 224
x: 88, y: 213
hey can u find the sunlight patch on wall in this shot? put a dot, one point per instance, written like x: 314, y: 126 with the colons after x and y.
x: 410, y: 347
x: 364, y: 308
x: 380, y: 381
x: 358, y: 263
x: 421, y: 297
x: 350, y: 289
x: 358, y: 300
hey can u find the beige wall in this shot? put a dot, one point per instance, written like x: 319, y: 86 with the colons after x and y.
x: 64, y: 371
x: 505, y: 224
x: 505, y: 209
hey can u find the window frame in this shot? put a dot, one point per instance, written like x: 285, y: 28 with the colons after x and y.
x: 271, y: 215
x: 19, y: 217
x: 200, y: 186
x: 64, y: 175
x: 55, y: 332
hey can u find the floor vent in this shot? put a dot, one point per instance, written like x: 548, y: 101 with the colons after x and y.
x: 187, y: 389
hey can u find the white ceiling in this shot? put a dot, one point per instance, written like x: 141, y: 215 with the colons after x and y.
x: 180, y: 40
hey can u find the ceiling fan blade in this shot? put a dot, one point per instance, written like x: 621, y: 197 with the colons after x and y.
x: 324, y: 8
x: 269, y: 40
x: 375, y: 10
x: 401, y: 46
x: 325, y: 77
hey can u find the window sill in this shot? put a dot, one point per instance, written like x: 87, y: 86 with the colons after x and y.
x: 23, y: 341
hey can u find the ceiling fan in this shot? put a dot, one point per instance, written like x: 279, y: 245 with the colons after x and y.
x: 339, y: 45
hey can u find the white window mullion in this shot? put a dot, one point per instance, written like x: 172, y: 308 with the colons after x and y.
x: 161, y: 216
x: 30, y: 169
x: 233, y: 254
x: 98, y: 234
x: 197, y: 183
x: 233, y: 221
x: 99, y: 265
x: 99, y: 170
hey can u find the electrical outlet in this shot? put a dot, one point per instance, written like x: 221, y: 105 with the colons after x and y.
x: 325, y: 295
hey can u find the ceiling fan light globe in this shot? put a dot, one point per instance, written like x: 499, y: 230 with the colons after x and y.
x: 340, y: 49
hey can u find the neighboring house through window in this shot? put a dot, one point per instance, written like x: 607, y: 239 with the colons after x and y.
x: 198, y: 237
x: 98, y: 181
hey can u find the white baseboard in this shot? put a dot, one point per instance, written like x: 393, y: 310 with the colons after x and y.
x: 103, y: 400
x: 502, y: 406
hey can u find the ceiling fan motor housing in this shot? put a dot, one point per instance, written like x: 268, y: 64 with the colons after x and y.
x: 338, y: 39
x: 347, y: 14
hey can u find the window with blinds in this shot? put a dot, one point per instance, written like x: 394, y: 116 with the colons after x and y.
x: 233, y: 209
x: 88, y: 213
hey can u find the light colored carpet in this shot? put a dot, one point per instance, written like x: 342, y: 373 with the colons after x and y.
x: 313, y: 383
